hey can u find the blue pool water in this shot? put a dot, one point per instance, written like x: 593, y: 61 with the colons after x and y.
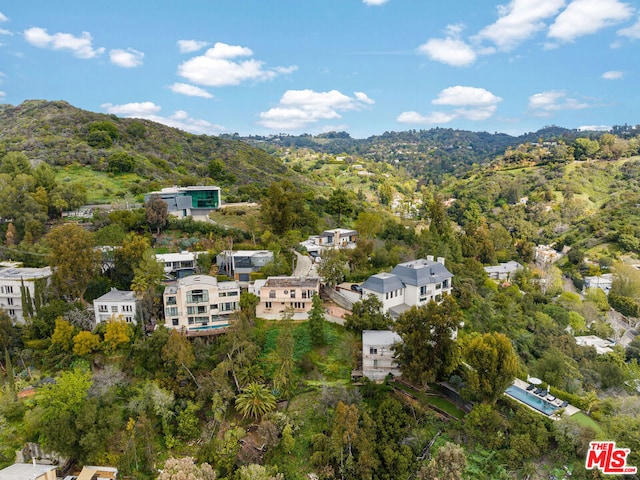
x: 531, y: 399
x: 209, y: 327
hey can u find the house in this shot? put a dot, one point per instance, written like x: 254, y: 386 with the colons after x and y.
x: 503, y: 271
x: 189, y: 201
x: 28, y: 471
x: 409, y: 284
x: 602, y: 346
x: 179, y: 265
x: 544, y: 255
x: 114, y: 304
x: 12, y: 278
x: 200, y: 304
x: 240, y: 264
x: 330, y: 239
x: 604, y: 282
x: 281, y: 293
x: 377, y: 356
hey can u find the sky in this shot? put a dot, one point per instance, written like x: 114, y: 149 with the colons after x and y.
x: 257, y: 67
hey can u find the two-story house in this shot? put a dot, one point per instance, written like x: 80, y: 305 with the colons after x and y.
x: 378, y: 359
x: 330, y: 239
x: 114, y: 305
x: 281, y: 293
x: 179, y: 265
x: 200, y: 304
x: 409, y: 284
x: 240, y: 264
x: 189, y: 201
x: 13, y: 280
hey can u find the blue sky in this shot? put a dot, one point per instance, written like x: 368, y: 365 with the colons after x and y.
x: 308, y: 66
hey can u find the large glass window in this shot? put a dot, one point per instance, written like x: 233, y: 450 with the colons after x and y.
x: 198, y: 296
x: 204, y: 198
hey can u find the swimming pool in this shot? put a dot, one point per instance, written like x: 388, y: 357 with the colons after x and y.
x: 531, y: 399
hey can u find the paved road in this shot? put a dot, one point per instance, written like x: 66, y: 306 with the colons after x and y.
x: 304, y: 266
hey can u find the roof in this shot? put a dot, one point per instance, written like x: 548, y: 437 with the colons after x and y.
x: 508, y: 267
x: 300, y: 282
x: 12, y: 273
x: 341, y: 231
x: 421, y: 272
x: 380, y: 337
x: 116, y: 295
x: 382, y: 283
x: 177, y: 257
x: 24, y: 471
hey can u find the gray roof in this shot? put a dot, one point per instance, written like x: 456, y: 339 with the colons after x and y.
x: 24, y: 471
x: 380, y: 337
x: 383, y: 283
x: 421, y: 272
x: 116, y: 295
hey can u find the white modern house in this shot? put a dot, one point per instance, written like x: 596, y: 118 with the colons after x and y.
x: 199, y: 304
x: 240, y: 264
x: 12, y: 279
x: 330, y: 239
x: 409, y: 284
x: 281, y: 293
x: 115, y: 304
x: 189, y: 201
x: 378, y: 359
x: 28, y: 471
x: 503, y: 271
x: 604, y: 282
x: 180, y: 264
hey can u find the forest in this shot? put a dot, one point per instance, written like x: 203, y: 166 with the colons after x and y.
x: 276, y: 399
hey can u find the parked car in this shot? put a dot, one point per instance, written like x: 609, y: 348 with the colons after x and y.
x: 356, y: 288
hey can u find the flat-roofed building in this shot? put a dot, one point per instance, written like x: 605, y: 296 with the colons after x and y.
x: 12, y: 279
x: 378, y: 358
x: 180, y: 264
x: 28, y: 471
x: 200, y: 304
x: 281, y: 293
x: 189, y: 201
x: 240, y: 264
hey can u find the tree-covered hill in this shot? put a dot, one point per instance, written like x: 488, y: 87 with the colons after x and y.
x: 59, y: 134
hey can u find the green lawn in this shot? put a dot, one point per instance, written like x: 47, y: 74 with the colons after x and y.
x: 586, y: 421
x: 439, y: 402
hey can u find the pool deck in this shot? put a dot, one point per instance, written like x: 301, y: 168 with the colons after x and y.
x: 568, y: 410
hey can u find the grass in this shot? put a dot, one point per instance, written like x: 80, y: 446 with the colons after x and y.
x: 586, y: 421
x: 439, y: 402
x: 101, y: 187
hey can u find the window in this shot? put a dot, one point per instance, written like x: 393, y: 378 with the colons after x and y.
x: 172, y: 311
x: 267, y: 304
x: 174, y: 322
x: 114, y: 309
x: 386, y: 296
x: 293, y: 294
x: 103, y: 308
x: 304, y: 294
x: 438, y: 286
x: 233, y: 293
x: 373, y: 351
x: 272, y: 294
x: 128, y: 319
x: 9, y: 301
x: 222, y: 294
x: 423, y: 290
x: 445, y: 283
x: 198, y: 296
x: 9, y: 288
x: 196, y: 310
x: 298, y: 305
x: 127, y: 308
x: 213, y: 306
x: 12, y: 312
x: 171, y: 300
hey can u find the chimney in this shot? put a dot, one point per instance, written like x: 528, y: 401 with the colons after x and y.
x: 441, y: 260
x: 429, y: 258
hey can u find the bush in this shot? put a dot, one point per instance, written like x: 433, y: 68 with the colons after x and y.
x: 625, y: 305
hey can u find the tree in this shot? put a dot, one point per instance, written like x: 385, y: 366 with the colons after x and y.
x: 85, y: 343
x: 255, y: 400
x: 120, y: 162
x: 344, y: 432
x: 157, y: 213
x: 283, y: 208
x: 185, y: 469
x: 316, y: 321
x: 283, y: 376
x: 178, y: 352
x: 449, y: 463
x: 129, y: 256
x: 332, y: 266
x: 367, y: 314
x: 493, y: 364
x: 368, y: 224
x: 62, y: 338
x: 73, y: 258
x: 428, y: 350
x: 585, y: 149
x: 340, y: 204
x: 117, y: 334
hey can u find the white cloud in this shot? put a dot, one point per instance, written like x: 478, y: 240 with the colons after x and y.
x: 81, y: 47
x: 2, y: 94
x: 545, y: 103
x: 299, y: 108
x: 3, y: 17
x: 217, y: 67
x: 518, y: 21
x: 4, y: 31
x: 452, y: 51
x: 612, y: 75
x: 632, y: 32
x: 472, y: 104
x: 128, y: 58
x: 188, y: 46
x: 374, y: 2
x: 190, y: 90
x: 134, y: 109
x: 180, y: 119
x: 583, y: 17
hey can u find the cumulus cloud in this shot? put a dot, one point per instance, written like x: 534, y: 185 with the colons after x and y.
x: 612, y: 75
x: 583, y: 17
x: 374, y: 2
x: 450, y: 50
x: 632, y: 32
x: 179, y: 119
x: 220, y: 67
x: 518, y: 21
x: 189, y: 46
x: 190, y: 90
x: 128, y: 58
x: 2, y: 94
x: 81, y: 46
x: 299, y: 108
x: 471, y: 103
x: 543, y: 104
x: 3, y: 18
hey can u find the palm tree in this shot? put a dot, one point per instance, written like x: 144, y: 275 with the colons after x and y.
x: 255, y: 400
